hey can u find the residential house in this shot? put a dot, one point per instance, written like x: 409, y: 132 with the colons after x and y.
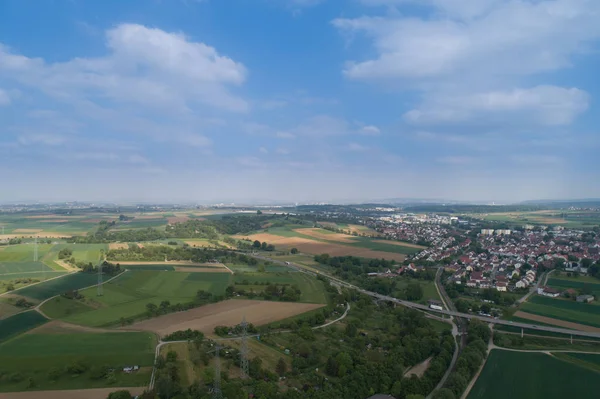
x: 585, y: 298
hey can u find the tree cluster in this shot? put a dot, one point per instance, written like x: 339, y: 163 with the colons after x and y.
x: 470, y: 359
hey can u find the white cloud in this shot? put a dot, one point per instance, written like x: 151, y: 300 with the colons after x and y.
x: 545, y: 105
x: 282, y: 151
x: 285, y: 135
x: 498, y: 38
x: 4, y: 98
x: 356, y: 147
x: 41, y: 138
x: 145, y: 66
x: 263, y: 150
x: 456, y: 160
x: 137, y: 159
x: 371, y: 130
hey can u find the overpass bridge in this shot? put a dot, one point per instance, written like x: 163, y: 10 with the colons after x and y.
x: 418, y: 306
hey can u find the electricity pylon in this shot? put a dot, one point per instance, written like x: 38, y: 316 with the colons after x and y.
x: 244, y: 350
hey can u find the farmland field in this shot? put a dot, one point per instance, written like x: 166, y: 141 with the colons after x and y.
x: 48, y: 289
x: 315, y: 246
x: 34, y: 355
x: 582, y: 313
x: 570, y: 219
x: 227, y: 313
x: 128, y: 295
x: 563, y: 282
x: 532, y: 375
x: 311, y: 288
x: 20, y: 323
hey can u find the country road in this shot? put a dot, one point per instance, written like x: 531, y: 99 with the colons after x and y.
x: 162, y: 343
x: 418, y: 306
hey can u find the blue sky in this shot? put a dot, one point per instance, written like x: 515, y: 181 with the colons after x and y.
x: 299, y: 100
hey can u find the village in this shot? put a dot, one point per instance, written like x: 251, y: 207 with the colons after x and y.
x: 501, y: 259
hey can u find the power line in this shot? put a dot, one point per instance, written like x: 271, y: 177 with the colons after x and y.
x: 100, y: 288
x: 217, y: 394
x: 244, y: 350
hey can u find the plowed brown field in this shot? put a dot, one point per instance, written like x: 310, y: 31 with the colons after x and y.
x: 316, y: 248
x: 318, y: 233
x: 227, y: 313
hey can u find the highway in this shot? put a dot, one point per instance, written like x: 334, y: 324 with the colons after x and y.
x: 418, y: 306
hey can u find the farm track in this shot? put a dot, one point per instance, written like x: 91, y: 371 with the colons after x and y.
x: 97, y: 393
x: 38, y: 307
x: 163, y: 343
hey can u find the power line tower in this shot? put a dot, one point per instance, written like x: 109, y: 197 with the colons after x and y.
x: 217, y: 394
x: 35, y: 251
x: 244, y: 350
x: 100, y: 288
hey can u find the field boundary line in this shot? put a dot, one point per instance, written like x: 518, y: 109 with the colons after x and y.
x: 31, y: 285
x: 490, y: 348
x: 37, y: 308
x: 162, y: 343
x: 43, y: 271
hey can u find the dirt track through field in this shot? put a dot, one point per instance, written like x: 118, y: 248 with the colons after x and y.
x: 99, y: 393
x: 318, y: 233
x: 316, y: 248
x: 227, y: 313
x: 400, y: 244
x: 118, y: 245
x: 418, y: 369
x: 61, y: 327
x: 66, y: 266
x: 556, y: 322
x: 201, y: 269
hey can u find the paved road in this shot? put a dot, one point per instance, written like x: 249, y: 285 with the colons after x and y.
x: 418, y: 306
x: 457, y: 327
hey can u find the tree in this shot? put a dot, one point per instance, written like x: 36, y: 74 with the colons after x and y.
x: 414, y: 292
x: 351, y: 330
x: 151, y: 308
x: 294, y: 251
x: 123, y: 394
x: 462, y: 305
x: 281, y: 367
x: 443, y: 393
x: 259, y: 212
x: 263, y: 246
x: 229, y: 291
x: 256, y: 244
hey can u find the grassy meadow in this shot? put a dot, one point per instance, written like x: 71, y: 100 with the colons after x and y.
x: 20, y: 323
x: 73, y: 360
x: 127, y: 296
x: 564, y: 309
x: 519, y: 375
x: 48, y: 289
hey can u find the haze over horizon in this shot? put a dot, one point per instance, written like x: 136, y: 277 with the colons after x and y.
x: 299, y: 100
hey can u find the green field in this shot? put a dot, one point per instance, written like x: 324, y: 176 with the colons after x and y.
x: 128, y: 295
x: 382, y: 246
x: 34, y: 355
x: 578, y: 283
x: 158, y: 267
x: 48, y: 289
x: 519, y: 375
x: 81, y: 252
x: 20, y: 323
x: 358, y: 242
x: 568, y: 310
x: 311, y: 288
x: 60, y: 307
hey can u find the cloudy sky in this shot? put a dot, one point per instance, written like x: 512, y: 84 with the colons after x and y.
x: 189, y: 100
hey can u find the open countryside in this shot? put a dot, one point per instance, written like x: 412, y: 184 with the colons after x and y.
x: 540, y: 375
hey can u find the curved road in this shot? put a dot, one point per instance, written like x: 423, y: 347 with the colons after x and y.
x: 426, y: 308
